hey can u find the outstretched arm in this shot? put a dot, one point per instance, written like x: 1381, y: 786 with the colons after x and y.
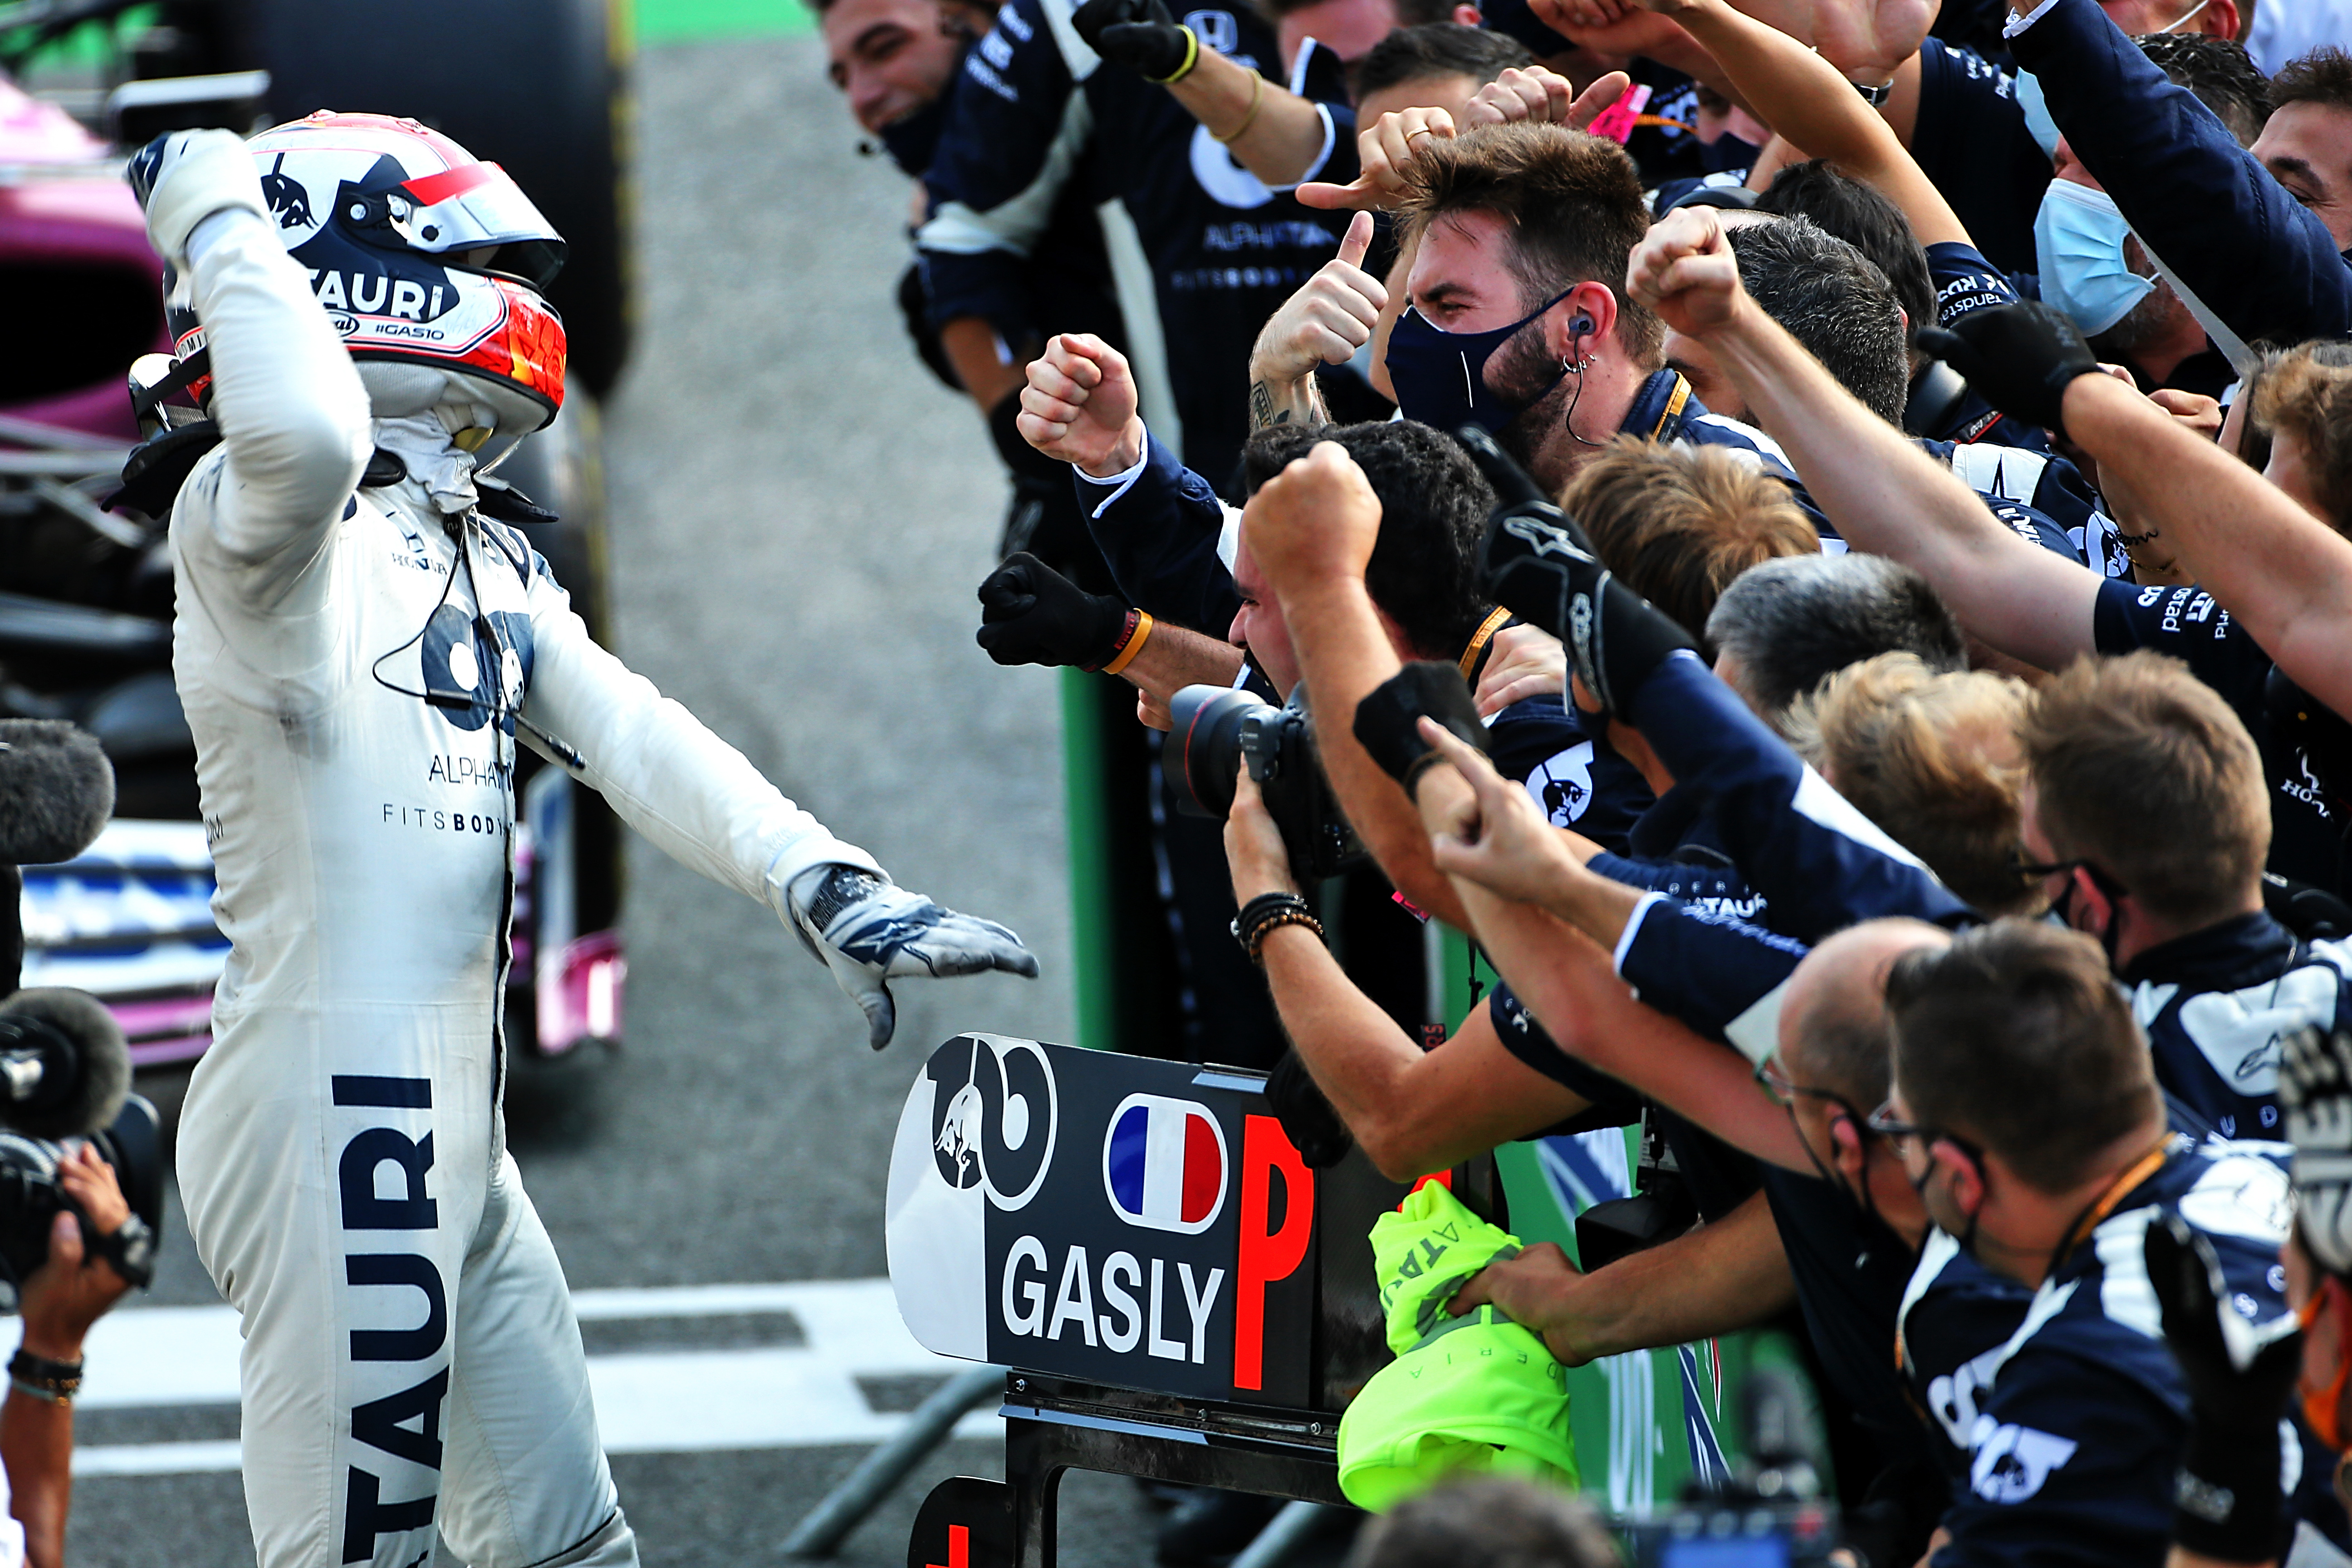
x: 704, y: 804
x: 1275, y: 133
x: 1804, y: 97
x: 1272, y: 131
x: 2285, y: 575
x: 1728, y: 1274
x: 1566, y: 981
x: 1311, y: 528
x: 1884, y: 494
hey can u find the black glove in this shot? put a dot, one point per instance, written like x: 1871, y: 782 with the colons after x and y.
x: 1537, y: 562
x: 1385, y: 719
x: 2315, y: 1087
x: 1140, y: 35
x: 1307, y: 1120
x: 2225, y: 1496
x: 2018, y: 357
x: 1031, y: 613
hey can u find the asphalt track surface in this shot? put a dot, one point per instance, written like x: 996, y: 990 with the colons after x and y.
x: 800, y: 517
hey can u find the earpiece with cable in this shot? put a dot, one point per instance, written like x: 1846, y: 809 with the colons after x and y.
x: 1574, y: 365
x: 500, y: 711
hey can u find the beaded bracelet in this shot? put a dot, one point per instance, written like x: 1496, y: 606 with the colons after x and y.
x: 1262, y: 914
x: 55, y: 1381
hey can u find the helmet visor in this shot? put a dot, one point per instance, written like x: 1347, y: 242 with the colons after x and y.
x: 475, y: 206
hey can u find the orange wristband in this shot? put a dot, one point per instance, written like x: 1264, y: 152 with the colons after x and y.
x: 1132, y: 646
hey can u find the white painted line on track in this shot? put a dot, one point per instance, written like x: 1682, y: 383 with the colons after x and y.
x: 763, y: 1397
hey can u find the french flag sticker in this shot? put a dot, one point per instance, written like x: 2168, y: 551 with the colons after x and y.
x: 1164, y: 1163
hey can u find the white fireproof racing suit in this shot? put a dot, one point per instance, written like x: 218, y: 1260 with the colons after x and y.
x: 411, y: 1360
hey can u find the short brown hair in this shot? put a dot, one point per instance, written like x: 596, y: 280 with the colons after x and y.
x: 2015, y: 1037
x: 2306, y: 393
x: 1931, y: 758
x: 1678, y: 523
x: 1572, y: 204
x: 2323, y: 76
x: 2140, y: 768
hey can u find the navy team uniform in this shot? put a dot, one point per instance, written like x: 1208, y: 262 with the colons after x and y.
x: 2306, y: 836
x: 1222, y: 250
x: 2046, y: 501
x: 2079, y: 1416
x: 2216, y: 1004
x: 2264, y: 263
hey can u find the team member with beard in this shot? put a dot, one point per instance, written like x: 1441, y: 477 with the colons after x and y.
x: 359, y: 651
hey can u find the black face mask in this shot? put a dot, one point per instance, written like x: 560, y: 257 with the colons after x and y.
x: 911, y: 140
x: 1727, y: 152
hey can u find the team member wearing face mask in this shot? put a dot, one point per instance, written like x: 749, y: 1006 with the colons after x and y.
x: 2029, y: 1118
x: 1517, y: 320
x: 2264, y: 264
x: 896, y: 63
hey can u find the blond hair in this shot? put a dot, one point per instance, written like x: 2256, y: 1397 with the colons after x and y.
x: 1678, y: 522
x: 1933, y: 759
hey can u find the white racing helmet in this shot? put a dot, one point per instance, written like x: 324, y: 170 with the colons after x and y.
x: 430, y: 264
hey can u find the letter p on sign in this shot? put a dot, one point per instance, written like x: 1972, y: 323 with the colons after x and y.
x: 1267, y: 1255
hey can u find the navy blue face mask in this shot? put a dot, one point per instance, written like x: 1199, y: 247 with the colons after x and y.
x: 911, y: 141
x: 1440, y: 377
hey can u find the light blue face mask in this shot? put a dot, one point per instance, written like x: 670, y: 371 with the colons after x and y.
x: 2078, y: 244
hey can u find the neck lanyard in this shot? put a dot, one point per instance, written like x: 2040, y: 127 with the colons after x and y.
x: 1472, y: 655
x: 2147, y: 1165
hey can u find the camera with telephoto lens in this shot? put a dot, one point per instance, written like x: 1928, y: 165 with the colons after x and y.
x: 1770, y: 1514
x: 1215, y: 730
x: 65, y: 1077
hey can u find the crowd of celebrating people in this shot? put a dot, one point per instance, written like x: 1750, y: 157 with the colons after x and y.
x: 1815, y: 531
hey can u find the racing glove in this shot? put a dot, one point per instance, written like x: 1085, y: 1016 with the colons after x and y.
x: 1387, y: 719
x: 2225, y: 1496
x: 2018, y: 357
x: 182, y: 177
x: 1537, y: 562
x: 1140, y: 35
x: 1031, y: 613
x: 2315, y: 1087
x: 870, y: 932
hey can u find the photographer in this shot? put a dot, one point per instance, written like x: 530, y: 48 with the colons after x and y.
x: 60, y: 1301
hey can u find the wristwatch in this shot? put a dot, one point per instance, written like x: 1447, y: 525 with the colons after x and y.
x: 1876, y: 96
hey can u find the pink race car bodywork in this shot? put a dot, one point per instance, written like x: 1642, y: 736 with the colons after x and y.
x: 69, y: 226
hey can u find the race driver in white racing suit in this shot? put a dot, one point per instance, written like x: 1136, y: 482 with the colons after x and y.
x: 357, y: 649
